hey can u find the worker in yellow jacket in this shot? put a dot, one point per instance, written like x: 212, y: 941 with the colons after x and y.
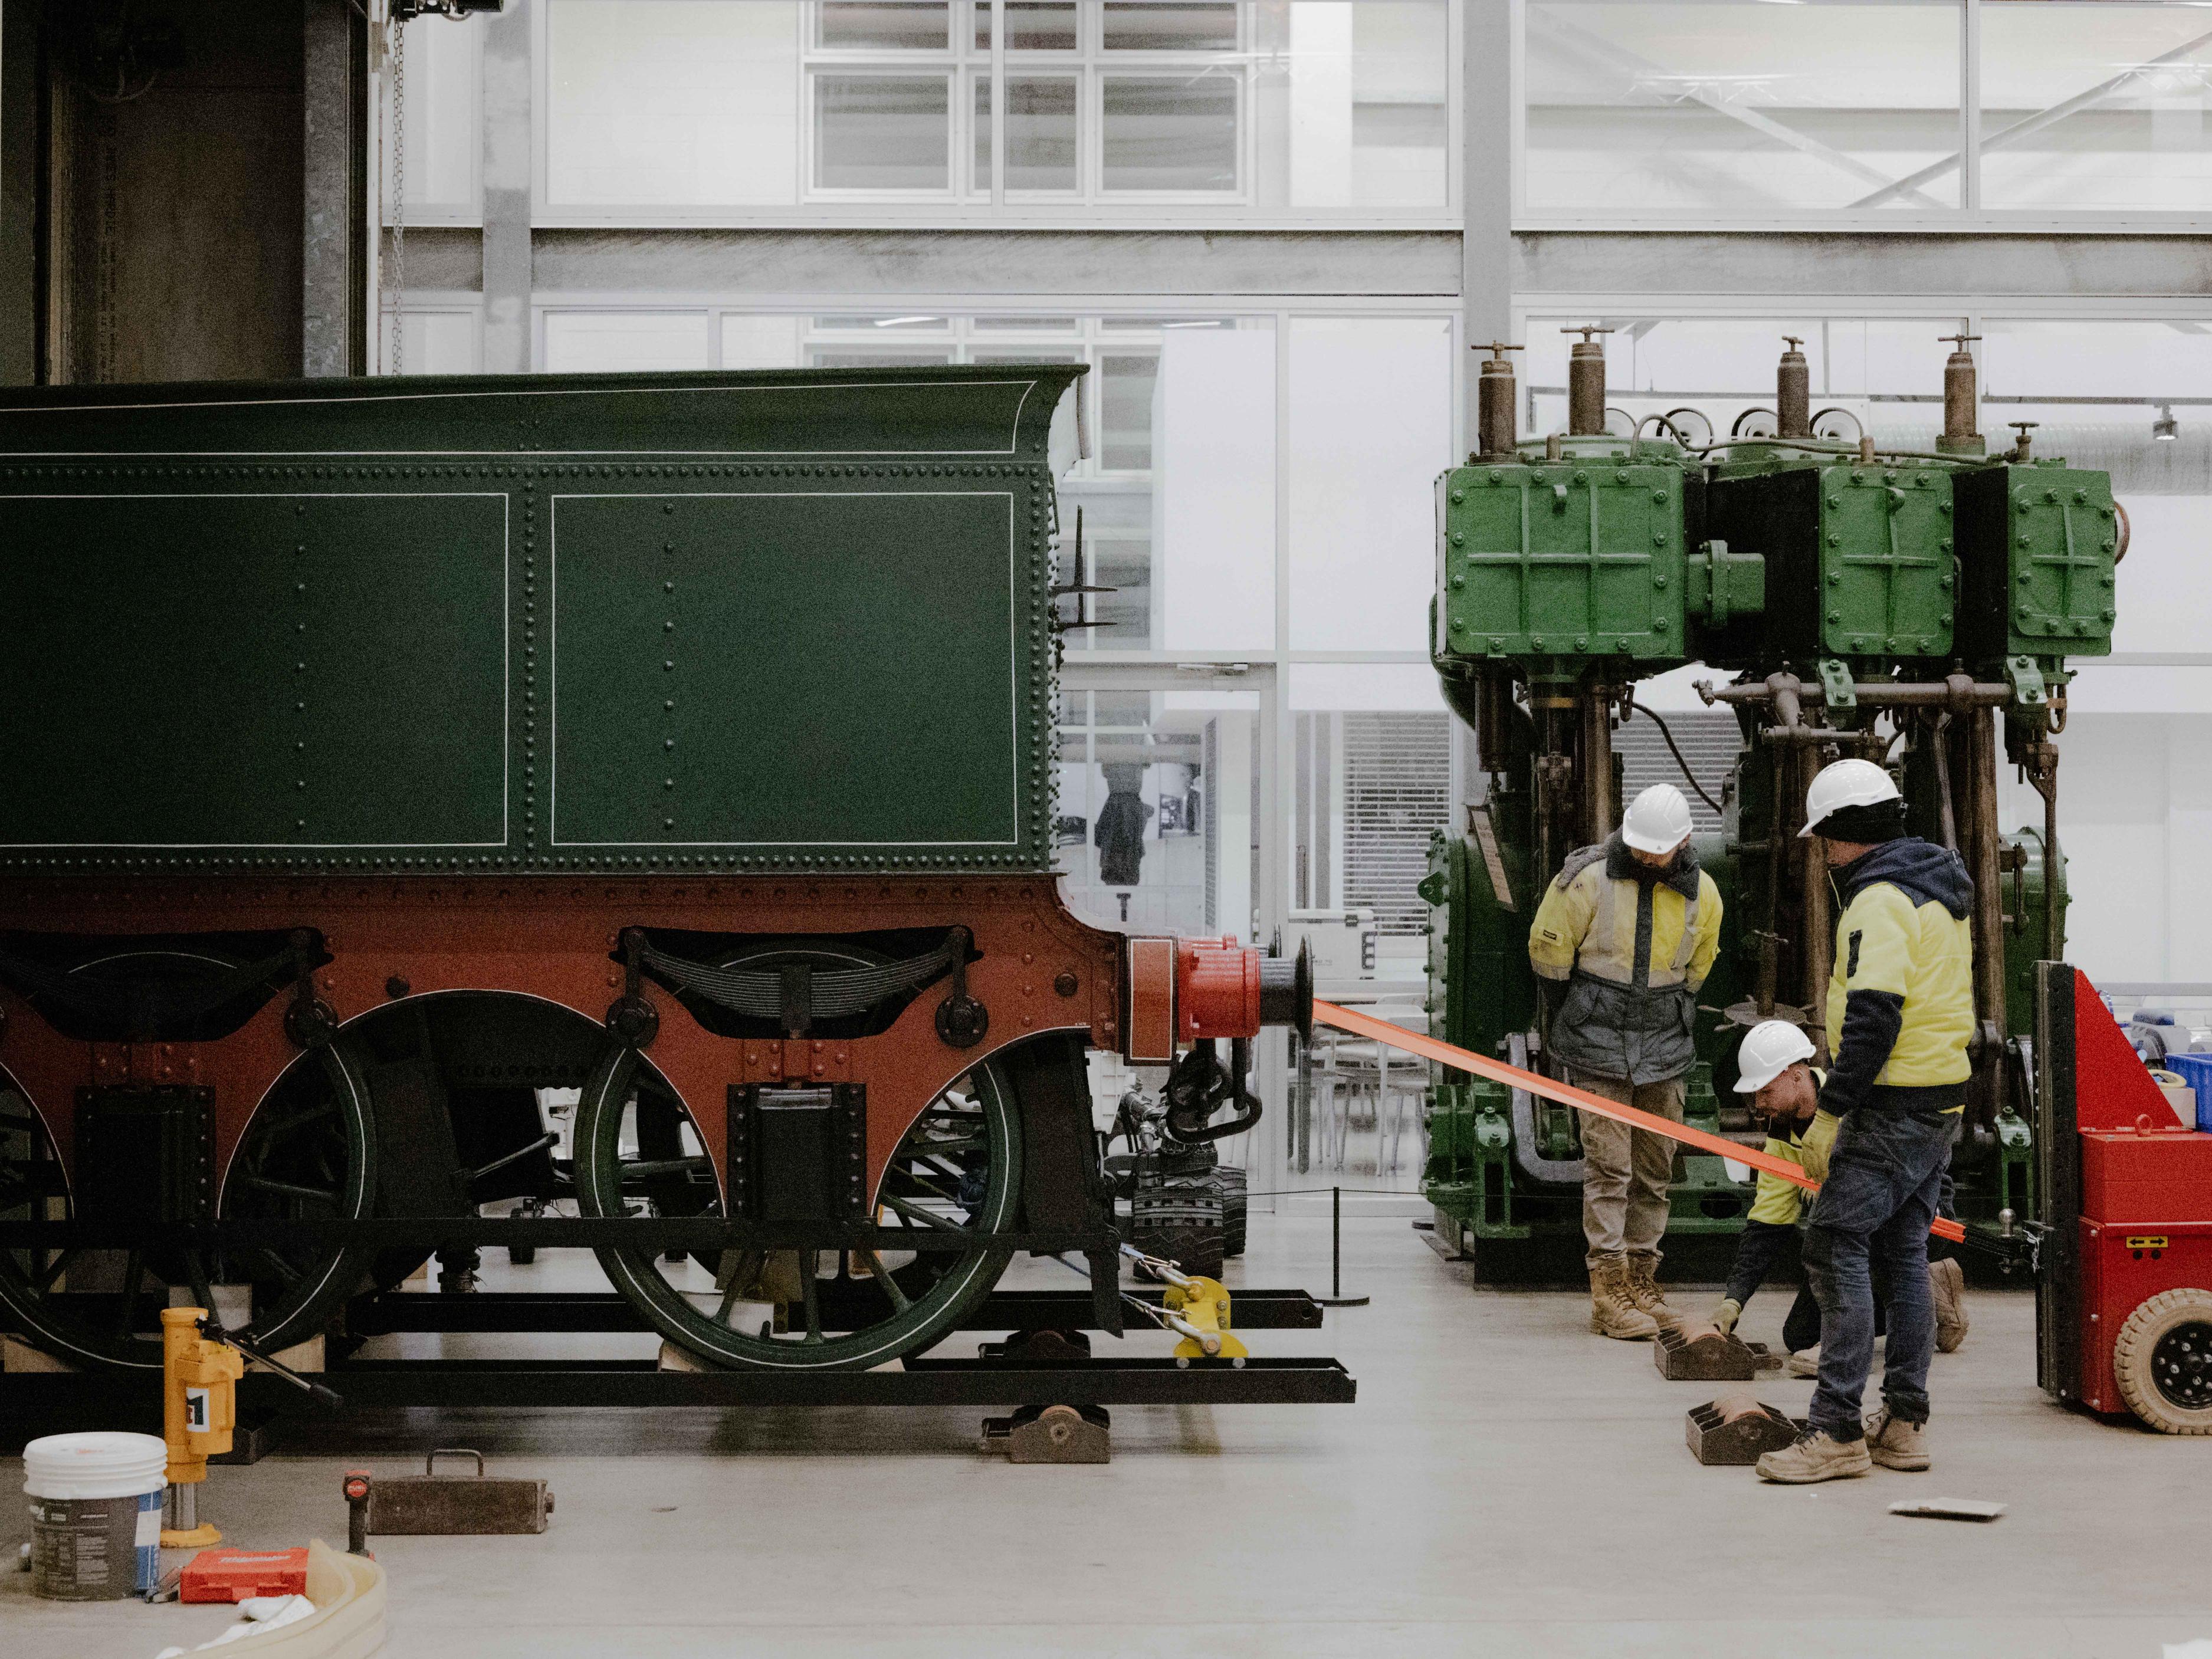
x: 1899, y: 1013
x: 1625, y: 936
x: 1774, y: 1067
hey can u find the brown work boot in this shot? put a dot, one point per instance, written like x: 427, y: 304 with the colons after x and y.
x: 1947, y: 1285
x: 1816, y: 1456
x: 1613, y: 1311
x: 1895, y: 1443
x: 1643, y: 1289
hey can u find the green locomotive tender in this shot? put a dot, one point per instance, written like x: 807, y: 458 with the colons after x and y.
x: 389, y: 758
x: 1917, y: 608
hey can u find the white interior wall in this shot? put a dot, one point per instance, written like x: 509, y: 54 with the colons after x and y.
x: 1370, y: 426
x: 1213, y: 489
x: 671, y: 103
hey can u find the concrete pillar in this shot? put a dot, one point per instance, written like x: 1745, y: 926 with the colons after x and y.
x: 508, y: 74
x: 332, y: 321
x: 18, y: 186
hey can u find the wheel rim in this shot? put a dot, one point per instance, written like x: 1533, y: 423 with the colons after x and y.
x: 309, y: 1153
x: 957, y: 1169
x: 2181, y: 1366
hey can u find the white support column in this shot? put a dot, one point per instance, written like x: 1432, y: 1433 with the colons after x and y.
x: 1970, y: 105
x: 1000, y: 101
x: 508, y: 74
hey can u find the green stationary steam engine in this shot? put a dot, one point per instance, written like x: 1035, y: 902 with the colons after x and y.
x: 1914, y: 607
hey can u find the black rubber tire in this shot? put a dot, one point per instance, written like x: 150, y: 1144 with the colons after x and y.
x: 1180, y: 1220
x: 1236, y: 1208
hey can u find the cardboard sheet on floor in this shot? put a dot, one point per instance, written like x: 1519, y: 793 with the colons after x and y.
x: 1949, y: 1508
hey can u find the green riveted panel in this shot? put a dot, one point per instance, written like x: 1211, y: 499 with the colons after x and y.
x: 678, y: 619
x: 2037, y: 542
x: 1859, y: 560
x: 223, y: 671
x: 1582, y: 558
x: 776, y: 620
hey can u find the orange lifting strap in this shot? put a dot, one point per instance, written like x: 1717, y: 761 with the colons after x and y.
x: 1462, y: 1059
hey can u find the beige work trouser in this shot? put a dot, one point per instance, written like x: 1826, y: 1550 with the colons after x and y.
x: 1627, y: 1172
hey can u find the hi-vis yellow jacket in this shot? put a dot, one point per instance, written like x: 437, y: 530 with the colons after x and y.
x: 1901, y: 999
x: 1779, y: 1203
x: 1634, y: 945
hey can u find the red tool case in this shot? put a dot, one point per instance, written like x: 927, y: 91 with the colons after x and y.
x: 2124, y: 1300
x: 234, y: 1575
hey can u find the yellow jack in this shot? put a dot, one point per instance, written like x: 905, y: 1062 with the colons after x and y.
x: 199, y: 1407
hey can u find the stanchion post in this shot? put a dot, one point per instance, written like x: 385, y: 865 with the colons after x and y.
x: 1336, y: 1298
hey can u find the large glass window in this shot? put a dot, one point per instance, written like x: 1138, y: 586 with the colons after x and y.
x: 2099, y: 107
x: 1043, y: 118
x: 1671, y: 107
x: 432, y: 153
x: 851, y: 109
x: 1157, y: 792
x: 1735, y: 110
x: 1170, y: 132
x: 883, y: 132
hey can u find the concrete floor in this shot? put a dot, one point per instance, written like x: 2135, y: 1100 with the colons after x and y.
x: 1508, y: 1485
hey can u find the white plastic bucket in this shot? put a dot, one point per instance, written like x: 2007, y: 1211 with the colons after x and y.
x: 95, y: 1514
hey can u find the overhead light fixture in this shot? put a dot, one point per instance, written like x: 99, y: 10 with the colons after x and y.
x: 904, y: 322
x: 2165, y: 429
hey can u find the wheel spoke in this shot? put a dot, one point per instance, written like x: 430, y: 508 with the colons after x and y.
x: 915, y: 1213
x: 54, y: 1269
x: 284, y: 1126
x: 730, y: 1298
x: 900, y: 1299
x: 648, y: 1168
x: 290, y: 1190
x: 809, y: 1293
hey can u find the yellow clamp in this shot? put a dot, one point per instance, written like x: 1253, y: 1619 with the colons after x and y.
x: 200, y: 1406
x: 1200, y: 1309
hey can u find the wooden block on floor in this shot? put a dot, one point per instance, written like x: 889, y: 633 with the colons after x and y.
x: 300, y: 1356
x: 19, y: 1358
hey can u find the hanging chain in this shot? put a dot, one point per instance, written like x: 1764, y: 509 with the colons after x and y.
x: 396, y: 53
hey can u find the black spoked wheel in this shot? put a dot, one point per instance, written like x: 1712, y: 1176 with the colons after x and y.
x: 2181, y: 1366
x: 957, y: 1171
x: 309, y: 1153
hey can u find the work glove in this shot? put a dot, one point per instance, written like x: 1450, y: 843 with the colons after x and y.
x: 1726, y: 1315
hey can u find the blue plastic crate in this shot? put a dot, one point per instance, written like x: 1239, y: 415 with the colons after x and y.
x: 2195, y: 1070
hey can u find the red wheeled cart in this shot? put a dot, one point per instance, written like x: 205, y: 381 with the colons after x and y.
x: 2124, y: 1310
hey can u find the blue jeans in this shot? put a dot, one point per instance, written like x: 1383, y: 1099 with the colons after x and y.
x: 1886, y: 1180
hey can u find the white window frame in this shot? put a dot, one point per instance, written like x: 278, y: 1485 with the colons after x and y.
x: 1969, y: 217
x: 1088, y: 207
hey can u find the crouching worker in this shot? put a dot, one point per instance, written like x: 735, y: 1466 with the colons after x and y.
x: 1624, y: 937
x: 1774, y: 1067
x: 1901, y: 1008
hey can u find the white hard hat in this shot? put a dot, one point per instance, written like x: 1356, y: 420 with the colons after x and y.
x: 1773, y: 1047
x: 1657, y: 821
x: 1845, y: 783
